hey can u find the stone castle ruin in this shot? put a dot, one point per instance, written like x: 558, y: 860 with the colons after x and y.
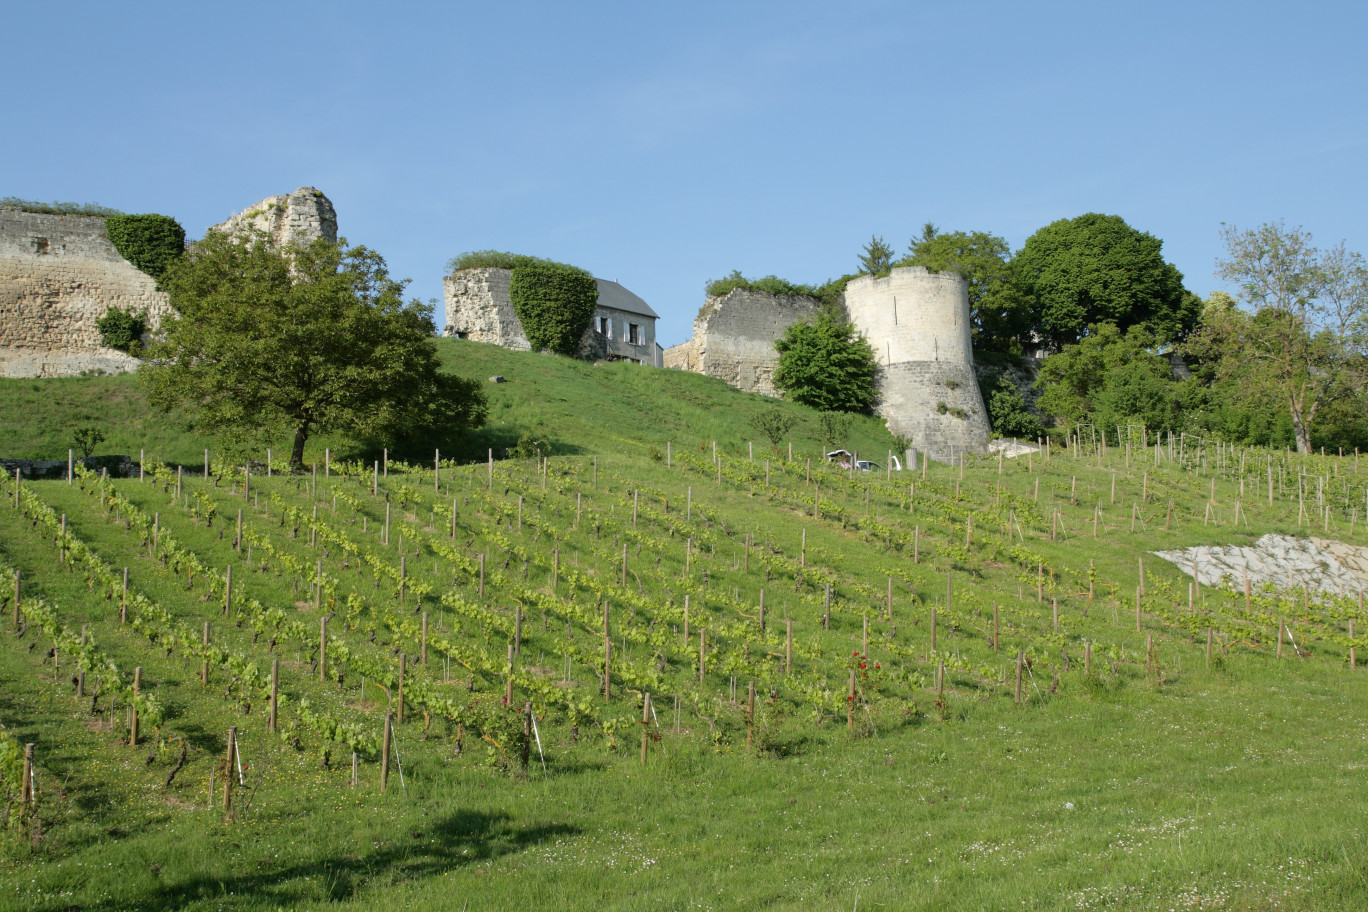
x: 479, y: 308
x: 296, y: 218
x: 60, y: 273
x: 917, y: 323
x: 734, y: 336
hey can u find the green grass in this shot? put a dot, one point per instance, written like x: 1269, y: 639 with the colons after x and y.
x: 581, y: 407
x: 1230, y: 787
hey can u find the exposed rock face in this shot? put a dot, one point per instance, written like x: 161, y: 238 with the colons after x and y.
x: 298, y: 218
x: 734, y: 336
x: 58, y: 276
x: 1326, y: 567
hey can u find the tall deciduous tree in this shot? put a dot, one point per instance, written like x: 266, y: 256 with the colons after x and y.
x: 1096, y: 269
x: 825, y: 364
x: 1308, y: 334
x: 271, y: 341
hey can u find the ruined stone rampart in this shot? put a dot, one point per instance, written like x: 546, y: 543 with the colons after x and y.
x: 734, y: 336
x: 918, y: 325
x: 58, y: 275
x: 296, y: 218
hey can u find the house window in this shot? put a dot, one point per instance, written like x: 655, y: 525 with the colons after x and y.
x: 603, y: 327
x: 633, y: 334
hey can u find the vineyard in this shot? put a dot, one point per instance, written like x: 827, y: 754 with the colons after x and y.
x: 203, y: 657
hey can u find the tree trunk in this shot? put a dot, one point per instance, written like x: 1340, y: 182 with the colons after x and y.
x: 297, y: 454
x: 1301, y: 429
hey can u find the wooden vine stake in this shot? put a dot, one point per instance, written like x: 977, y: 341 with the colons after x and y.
x: 702, y: 653
x: 26, y: 783
x: 1021, y: 662
x: 646, y: 721
x: 850, y: 708
x: 133, y: 723
x: 385, y: 750
x: 228, y: 771
x: 273, y: 716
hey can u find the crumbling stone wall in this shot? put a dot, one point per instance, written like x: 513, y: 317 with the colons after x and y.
x: 296, y: 218
x: 734, y: 336
x: 478, y: 307
x: 916, y: 321
x: 58, y: 276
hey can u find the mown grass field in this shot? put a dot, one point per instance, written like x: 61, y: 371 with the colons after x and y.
x: 1123, y: 779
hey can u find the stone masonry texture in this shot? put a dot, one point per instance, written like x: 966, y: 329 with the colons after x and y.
x: 917, y: 323
x: 734, y: 336
x: 297, y: 218
x: 58, y: 276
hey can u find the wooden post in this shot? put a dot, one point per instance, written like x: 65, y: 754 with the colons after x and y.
x: 228, y: 770
x: 133, y: 724
x: 1137, y: 610
x: 940, y: 677
x: 1087, y: 659
x: 1209, y: 638
x: 646, y: 721
x: 19, y: 575
x: 1054, y: 611
x: 385, y: 751
x: 273, y: 718
x: 1021, y: 661
x: 788, y: 644
x: 850, y: 700
x: 228, y: 591
x: 933, y: 629
x: 81, y: 674
x: 607, y: 667
x: 1280, y: 637
x: 864, y: 638
x: 403, y: 667
x: 508, y: 681
x: 826, y: 609
x: 26, y: 783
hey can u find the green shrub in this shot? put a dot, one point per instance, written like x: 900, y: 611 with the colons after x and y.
x: 555, y: 304
x: 122, y: 329
x: 499, y: 259
x: 827, y: 293
x: 1009, y: 413
x: 23, y: 205
x: 150, y: 242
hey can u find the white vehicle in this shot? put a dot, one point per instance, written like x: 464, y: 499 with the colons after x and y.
x: 843, y: 458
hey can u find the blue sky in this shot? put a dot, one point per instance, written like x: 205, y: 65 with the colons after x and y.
x: 662, y: 145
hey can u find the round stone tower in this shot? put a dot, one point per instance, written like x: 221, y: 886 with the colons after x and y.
x: 917, y: 322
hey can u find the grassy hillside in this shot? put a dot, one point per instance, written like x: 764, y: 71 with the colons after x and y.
x: 1132, y: 768
x: 583, y: 408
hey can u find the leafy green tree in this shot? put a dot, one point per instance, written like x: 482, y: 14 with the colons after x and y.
x: 1009, y: 413
x: 1308, y: 336
x: 555, y: 304
x: 1096, y: 269
x: 825, y: 364
x: 273, y: 341
x: 774, y: 423
x: 87, y: 438
x: 834, y: 428
x: 1110, y: 378
x: 998, y: 311
x: 877, y: 257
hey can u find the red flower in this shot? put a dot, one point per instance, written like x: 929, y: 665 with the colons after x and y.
x: 862, y: 664
x: 876, y: 665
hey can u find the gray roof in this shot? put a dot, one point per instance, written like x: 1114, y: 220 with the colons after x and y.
x: 613, y: 295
